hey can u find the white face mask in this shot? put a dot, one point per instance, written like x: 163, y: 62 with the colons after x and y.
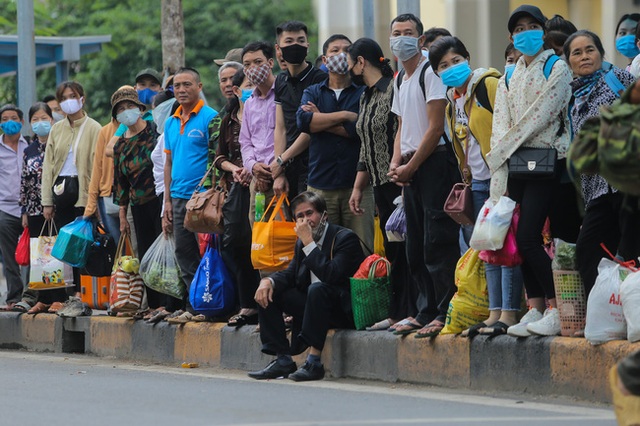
x: 71, y: 106
x: 404, y: 47
x: 129, y: 117
x: 57, y: 117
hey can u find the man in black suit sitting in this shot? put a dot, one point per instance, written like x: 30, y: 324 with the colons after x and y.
x: 314, y: 289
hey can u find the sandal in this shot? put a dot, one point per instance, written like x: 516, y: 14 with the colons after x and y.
x: 55, y: 307
x: 497, y: 329
x: 473, y: 330
x: 8, y: 306
x: 239, y: 320
x: 406, y: 329
x: 21, y: 307
x: 174, y: 314
x: 184, y: 318
x: 38, y: 308
x: 200, y: 318
x: 152, y: 312
x: 382, y: 325
x: 435, y: 326
x: 158, y: 316
x: 400, y: 323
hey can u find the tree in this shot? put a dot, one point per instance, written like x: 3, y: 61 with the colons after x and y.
x: 172, y: 35
x: 210, y: 30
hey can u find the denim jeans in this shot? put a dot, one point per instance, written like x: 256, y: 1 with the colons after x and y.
x: 504, y: 284
x: 110, y: 222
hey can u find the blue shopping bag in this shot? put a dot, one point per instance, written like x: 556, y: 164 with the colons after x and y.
x: 212, y: 290
x: 74, y: 242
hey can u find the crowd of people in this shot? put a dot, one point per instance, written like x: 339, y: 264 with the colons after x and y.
x: 343, y: 140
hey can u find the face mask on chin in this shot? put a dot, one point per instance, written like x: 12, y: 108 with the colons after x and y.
x: 318, y: 231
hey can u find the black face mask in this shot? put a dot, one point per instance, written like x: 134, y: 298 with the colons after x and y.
x: 294, y: 54
x: 358, y: 80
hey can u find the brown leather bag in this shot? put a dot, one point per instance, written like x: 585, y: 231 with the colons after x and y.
x: 459, y: 204
x: 204, y: 209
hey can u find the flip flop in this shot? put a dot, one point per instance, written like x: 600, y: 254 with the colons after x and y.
x: 497, y: 329
x: 38, y: 308
x: 382, y: 325
x: 437, y: 327
x: 413, y: 327
x: 158, y: 316
x: 474, y: 330
x: 21, y: 307
x: 400, y: 323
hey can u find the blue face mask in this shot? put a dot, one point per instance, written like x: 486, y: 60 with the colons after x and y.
x: 41, y: 128
x: 456, y: 75
x: 246, y: 94
x: 529, y: 42
x: 146, y: 95
x: 11, y: 128
x: 508, y: 69
x: 626, y: 45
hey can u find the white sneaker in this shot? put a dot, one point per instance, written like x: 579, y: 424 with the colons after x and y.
x: 520, y: 329
x: 549, y: 325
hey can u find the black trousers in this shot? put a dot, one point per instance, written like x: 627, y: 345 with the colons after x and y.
x: 403, y: 300
x: 64, y: 216
x: 236, y: 244
x: 535, y: 197
x: 314, y: 313
x: 187, y: 250
x: 432, y: 236
x: 296, y: 174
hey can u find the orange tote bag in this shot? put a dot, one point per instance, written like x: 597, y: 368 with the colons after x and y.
x: 273, y: 238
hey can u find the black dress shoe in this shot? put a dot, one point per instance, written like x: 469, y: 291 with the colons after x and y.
x: 308, y: 372
x: 273, y: 371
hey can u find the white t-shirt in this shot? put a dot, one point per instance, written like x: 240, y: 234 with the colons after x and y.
x: 409, y: 104
x: 69, y: 168
x: 479, y: 169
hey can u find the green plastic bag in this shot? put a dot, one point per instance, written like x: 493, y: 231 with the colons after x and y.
x: 371, y: 297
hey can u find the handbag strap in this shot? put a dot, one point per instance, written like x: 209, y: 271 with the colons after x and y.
x: 75, y: 144
x: 124, y: 246
x: 50, y: 228
x: 333, y: 243
x: 277, y: 209
x: 204, y: 178
x: 372, y: 268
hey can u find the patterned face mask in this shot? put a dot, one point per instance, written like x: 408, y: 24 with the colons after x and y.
x: 257, y: 75
x: 338, y: 63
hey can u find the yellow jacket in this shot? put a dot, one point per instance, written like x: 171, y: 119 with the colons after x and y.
x: 62, y: 136
x: 480, y: 118
x: 102, y: 174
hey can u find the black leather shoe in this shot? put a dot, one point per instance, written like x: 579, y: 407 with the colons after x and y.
x: 273, y: 371
x: 308, y: 372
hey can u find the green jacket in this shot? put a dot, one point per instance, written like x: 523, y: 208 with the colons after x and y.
x: 480, y: 118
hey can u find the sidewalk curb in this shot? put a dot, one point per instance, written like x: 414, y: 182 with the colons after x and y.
x: 535, y: 365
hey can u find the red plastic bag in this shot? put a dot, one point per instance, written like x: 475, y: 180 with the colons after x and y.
x: 23, y: 254
x: 508, y: 255
x: 203, y: 242
x: 365, y: 266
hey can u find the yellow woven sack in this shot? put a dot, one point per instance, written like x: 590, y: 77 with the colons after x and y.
x: 273, y: 239
x: 470, y: 304
x: 378, y: 239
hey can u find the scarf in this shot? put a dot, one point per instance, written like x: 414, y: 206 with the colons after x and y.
x: 582, y: 86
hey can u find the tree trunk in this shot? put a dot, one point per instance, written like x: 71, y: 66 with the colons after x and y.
x: 172, y: 31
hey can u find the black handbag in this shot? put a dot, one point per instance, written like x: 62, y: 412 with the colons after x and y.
x: 65, y: 191
x: 533, y: 163
x: 101, y: 254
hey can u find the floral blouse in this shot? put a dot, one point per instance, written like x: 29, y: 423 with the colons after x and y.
x: 31, y: 181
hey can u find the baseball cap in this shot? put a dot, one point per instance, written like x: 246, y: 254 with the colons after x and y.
x: 149, y: 72
x: 234, y: 55
x: 526, y: 9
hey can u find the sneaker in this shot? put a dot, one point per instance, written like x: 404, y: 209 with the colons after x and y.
x: 520, y: 329
x: 549, y: 325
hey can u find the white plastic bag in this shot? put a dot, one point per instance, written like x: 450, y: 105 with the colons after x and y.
x: 630, y: 298
x: 605, y: 317
x: 492, y: 224
x: 159, y: 268
x: 396, y: 226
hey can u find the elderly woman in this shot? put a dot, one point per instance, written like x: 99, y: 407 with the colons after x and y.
x: 602, y: 220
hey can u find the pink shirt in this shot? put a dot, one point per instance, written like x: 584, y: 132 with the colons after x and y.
x: 256, y: 132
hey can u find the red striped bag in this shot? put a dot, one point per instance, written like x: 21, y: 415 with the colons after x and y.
x: 127, y: 287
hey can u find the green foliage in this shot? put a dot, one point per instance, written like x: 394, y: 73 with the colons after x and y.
x: 211, y: 29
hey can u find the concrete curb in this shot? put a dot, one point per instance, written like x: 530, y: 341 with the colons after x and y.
x: 535, y: 365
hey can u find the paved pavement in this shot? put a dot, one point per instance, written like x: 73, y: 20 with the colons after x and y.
x: 81, y: 390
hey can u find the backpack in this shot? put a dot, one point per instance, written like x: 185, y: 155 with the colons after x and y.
x: 482, y: 97
x: 610, y: 146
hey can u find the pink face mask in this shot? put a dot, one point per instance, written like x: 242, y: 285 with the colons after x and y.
x: 257, y: 75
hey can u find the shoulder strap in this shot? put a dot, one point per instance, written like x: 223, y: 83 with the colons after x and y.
x: 614, y: 83
x: 548, y: 65
x: 75, y: 144
x: 507, y: 76
x: 423, y: 71
x: 482, y: 96
x: 333, y: 243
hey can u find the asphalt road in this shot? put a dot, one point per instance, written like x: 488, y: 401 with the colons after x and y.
x: 54, y: 389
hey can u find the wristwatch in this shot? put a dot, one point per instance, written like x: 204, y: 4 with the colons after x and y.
x: 280, y: 162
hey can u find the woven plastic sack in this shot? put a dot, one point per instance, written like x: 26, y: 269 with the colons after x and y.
x: 630, y: 298
x: 74, y: 242
x: 470, y: 304
x: 396, y: 226
x: 371, y: 296
x: 605, y: 317
x: 378, y: 238
x: 492, y: 224
x: 159, y: 268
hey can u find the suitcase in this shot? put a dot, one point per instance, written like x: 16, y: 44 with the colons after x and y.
x: 94, y: 291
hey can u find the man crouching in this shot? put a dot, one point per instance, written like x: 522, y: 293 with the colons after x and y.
x: 314, y: 289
